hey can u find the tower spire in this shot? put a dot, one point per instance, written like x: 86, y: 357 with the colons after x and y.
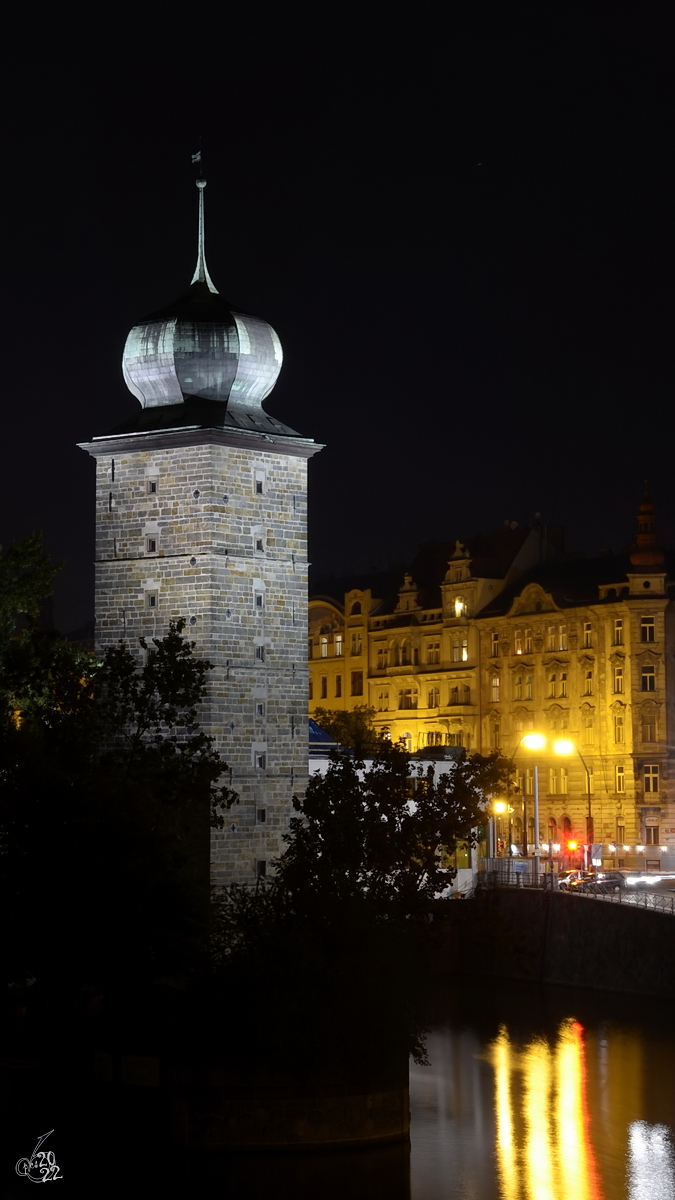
x: 646, y: 550
x: 201, y: 274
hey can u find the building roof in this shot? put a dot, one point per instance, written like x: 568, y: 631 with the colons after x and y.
x: 570, y: 583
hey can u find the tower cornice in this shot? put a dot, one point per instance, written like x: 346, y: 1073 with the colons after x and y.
x: 132, y: 442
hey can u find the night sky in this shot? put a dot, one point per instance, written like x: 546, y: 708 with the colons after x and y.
x: 461, y: 231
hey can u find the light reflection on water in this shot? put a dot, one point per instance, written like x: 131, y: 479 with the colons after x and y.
x: 545, y: 1109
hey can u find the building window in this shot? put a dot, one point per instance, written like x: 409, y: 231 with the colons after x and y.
x: 494, y: 649
x: 433, y: 652
x: 518, y: 642
x: 648, y: 679
x: 310, y: 649
x: 356, y: 644
x: 618, y: 632
x: 550, y: 638
x: 405, y: 699
x: 618, y: 728
x: 151, y: 601
x: 260, y: 600
x: 434, y: 697
x: 151, y: 487
x: 528, y: 641
x: 454, y: 695
x: 553, y: 781
x: 647, y: 629
x: 518, y: 688
x: 261, y: 816
x: 621, y: 834
x: 357, y: 683
x: 383, y: 702
x: 338, y: 685
x: 529, y: 687
x: 564, y: 781
x: 562, y: 637
x: 652, y: 835
x: 618, y: 680
x: 151, y: 545
x: 259, y: 544
x: 620, y: 779
x: 338, y: 645
x: 382, y: 660
x: 589, y: 731
x: 260, y: 709
x: 467, y: 694
x: 259, y: 483
x: 563, y: 684
x: 494, y: 689
x: 261, y: 760
x: 311, y: 688
x: 261, y: 868
x: 551, y: 686
x: 324, y: 687
x: 355, y: 610
x: 588, y: 635
x: 651, y: 777
x: 260, y: 654
x: 324, y: 647
x: 588, y: 683
x: 529, y: 781
x: 456, y: 650
x: 648, y: 729
x: 496, y: 735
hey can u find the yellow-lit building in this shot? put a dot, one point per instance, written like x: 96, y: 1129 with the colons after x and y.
x: 505, y: 636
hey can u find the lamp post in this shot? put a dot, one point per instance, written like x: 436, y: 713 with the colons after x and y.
x: 532, y: 741
x: 565, y: 747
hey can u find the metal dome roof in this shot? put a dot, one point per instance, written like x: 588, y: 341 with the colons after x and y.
x: 199, y: 347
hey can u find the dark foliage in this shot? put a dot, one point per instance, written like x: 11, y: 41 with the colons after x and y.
x: 344, y: 935
x: 108, y: 789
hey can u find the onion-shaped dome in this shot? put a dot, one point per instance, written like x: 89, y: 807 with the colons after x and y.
x: 198, y: 347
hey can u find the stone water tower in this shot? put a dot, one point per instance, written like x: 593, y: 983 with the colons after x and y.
x: 201, y: 513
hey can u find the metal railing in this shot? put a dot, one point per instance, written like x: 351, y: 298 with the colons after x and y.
x: 634, y: 899
x: 521, y: 872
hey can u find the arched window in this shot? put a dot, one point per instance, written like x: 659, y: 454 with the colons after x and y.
x: 552, y: 829
x: 356, y: 608
x: 567, y: 827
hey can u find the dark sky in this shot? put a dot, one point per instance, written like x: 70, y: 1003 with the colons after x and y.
x: 462, y: 233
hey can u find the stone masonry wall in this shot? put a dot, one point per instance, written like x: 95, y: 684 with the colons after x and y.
x: 217, y: 534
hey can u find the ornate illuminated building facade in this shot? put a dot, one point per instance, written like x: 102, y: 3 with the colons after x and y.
x: 201, y: 514
x: 514, y: 637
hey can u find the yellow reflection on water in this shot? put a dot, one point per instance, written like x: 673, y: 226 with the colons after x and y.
x: 507, y: 1168
x: 539, y: 1159
x: 543, y: 1149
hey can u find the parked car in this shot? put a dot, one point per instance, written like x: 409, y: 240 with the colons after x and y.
x: 567, y: 877
x: 617, y: 877
x: 597, y: 887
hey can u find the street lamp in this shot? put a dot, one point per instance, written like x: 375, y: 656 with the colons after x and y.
x: 565, y: 747
x: 535, y: 741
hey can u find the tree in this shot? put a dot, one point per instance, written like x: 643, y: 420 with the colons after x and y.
x: 354, y: 730
x: 109, y: 788
x: 342, y: 934
x: 377, y: 834
x: 26, y: 577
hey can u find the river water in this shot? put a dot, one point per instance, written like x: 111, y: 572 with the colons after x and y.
x: 546, y: 1094
x: 531, y: 1093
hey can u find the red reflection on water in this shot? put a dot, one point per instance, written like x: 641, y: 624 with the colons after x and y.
x: 593, y: 1179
